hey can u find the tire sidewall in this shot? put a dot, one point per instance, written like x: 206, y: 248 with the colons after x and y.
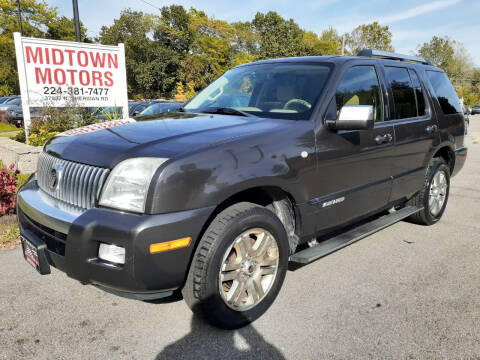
x: 212, y: 300
x: 435, y: 168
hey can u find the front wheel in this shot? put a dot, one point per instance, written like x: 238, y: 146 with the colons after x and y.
x: 434, y: 196
x: 238, y: 267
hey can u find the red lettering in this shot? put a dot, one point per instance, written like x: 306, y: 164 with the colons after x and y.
x: 97, y: 75
x: 36, y: 57
x: 43, y: 78
x: 98, y: 59
x: 70, y: 56
x: 56, y: 76
x: 113, y: 59
x: 83, y: 81
x: 108, y: 76
x: 85, y: 58
x: 57, y: 60
x: 47, y: 56
x: 72, y: 76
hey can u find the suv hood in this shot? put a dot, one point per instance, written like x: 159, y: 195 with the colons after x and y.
x: 109, y: 143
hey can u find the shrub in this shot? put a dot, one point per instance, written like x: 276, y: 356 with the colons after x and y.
x: 8, y: 189
x: 20, y: 136
x: 54, y: 121
x: 41, y: 137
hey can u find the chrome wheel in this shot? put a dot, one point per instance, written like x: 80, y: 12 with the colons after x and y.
x: 438, y: 193
x: 248, y: 269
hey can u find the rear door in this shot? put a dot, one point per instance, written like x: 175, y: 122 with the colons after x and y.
x: 354, y: 167
x: 415, y: 129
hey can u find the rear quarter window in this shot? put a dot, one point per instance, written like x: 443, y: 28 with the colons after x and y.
x: 445, y: 92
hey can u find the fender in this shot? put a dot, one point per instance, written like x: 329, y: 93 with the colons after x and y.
x: 211, y: 175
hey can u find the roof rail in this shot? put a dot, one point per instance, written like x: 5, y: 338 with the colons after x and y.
x: 393, y: 56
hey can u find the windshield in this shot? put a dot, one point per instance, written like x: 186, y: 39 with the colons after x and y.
x: 158, y: 108
x: 278, y: 90
x: 14, y: 101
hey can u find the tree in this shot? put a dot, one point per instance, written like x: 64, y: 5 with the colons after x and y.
x: 439, y: 51
x: 36, y: 15
x: 331, y: 36
x: 132, y: 28
x: 314, y: 46
x: 448, y: 54
x: 213, y: 50
x: 277, y: 37
x: 246, y: 40
x: 63, y: 28
x: 370, y: 36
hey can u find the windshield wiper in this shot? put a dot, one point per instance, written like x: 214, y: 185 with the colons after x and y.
x: 226, y: 111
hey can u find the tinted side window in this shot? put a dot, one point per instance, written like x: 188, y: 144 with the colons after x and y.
x: 446, y: 94
x: 418, y: 93
x: 358, y: 86
x: 403, y: 95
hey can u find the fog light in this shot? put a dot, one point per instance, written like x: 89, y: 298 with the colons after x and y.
x: 112, y: 253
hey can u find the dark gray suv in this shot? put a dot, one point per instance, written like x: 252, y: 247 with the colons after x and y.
x: 276, y: 161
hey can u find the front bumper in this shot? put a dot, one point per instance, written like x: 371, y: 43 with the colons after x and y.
x: 73, y: 237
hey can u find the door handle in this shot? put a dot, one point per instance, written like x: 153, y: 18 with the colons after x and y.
x: 431, y: 129
x: 380, y: 139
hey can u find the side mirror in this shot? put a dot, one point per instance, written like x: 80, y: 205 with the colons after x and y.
x: 353, y: 117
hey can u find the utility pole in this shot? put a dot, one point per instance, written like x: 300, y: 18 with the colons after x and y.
x: 19, y: 17
x: 76, y: 20
x: 343, y: 45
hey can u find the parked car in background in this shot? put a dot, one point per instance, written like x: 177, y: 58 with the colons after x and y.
x: 12, y: 102
x: 16, y: 114
x: 466, y: 112
x: 160, y: 107
x: 475, y: 109
x: 4, y: 99
x: 135, y: 108
x: 108, y: 113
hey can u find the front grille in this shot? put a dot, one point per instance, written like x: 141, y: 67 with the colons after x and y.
x: 77, y: 184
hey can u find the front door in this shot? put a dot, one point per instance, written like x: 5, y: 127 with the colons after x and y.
x: 354, y: 167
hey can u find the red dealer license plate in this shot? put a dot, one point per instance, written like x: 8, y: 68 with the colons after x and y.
x: 35, y: 256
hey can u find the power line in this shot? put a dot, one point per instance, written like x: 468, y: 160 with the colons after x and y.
x: 146, y: 2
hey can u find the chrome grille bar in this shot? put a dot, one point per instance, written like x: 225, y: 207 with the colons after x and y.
x: 78, y: 184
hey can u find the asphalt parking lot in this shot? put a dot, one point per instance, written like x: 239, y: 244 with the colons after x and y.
x: 407, y: 292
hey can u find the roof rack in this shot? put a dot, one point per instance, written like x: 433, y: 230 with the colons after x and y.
x: 393, y: 56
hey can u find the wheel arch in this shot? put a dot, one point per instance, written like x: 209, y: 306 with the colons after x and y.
x: 274, y: 198
x: 447, y: 153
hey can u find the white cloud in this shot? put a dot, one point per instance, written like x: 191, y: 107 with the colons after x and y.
x: 417, y: 11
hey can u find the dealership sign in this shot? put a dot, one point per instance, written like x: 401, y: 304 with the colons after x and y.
x: 56, y: 73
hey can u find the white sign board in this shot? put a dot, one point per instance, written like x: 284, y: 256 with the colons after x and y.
x: 64, y: 73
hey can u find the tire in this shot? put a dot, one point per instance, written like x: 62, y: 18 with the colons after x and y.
x: 431, y: 214
x: 221, y: 246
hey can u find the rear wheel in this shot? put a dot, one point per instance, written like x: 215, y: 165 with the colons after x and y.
x: 238, y: 267
x: 434, y: 196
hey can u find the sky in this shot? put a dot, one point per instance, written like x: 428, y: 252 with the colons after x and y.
x: 412, y: 22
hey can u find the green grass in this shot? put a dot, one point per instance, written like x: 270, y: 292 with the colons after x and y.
x: 7, y: 127
x: 9, y: 235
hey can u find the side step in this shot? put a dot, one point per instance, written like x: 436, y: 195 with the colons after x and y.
x: 328, y: 246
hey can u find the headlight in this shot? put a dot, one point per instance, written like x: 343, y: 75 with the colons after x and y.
x: 127, y: 185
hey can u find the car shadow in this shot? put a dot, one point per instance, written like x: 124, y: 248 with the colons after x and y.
x: 207, y: 342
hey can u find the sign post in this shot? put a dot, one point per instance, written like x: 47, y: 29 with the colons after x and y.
x: 56, y: 73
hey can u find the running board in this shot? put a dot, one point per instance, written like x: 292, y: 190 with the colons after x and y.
x: 329, y: 246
